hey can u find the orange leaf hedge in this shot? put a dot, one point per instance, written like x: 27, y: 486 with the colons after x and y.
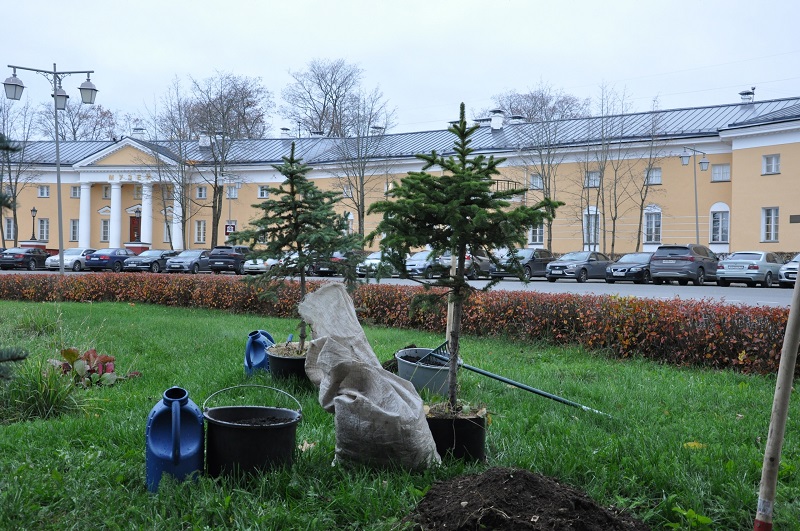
x: 680, y: 332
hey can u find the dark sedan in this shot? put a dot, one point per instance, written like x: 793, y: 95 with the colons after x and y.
x: 30, y: 258
x: 189, y: 261
x: 531, y: 263
x: 580, y: 265
x: 633, y: 267
x: 112, y: 258
x: 154, y: 260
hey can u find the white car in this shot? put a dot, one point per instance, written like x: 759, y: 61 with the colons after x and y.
x: 256, y: 266
x: 74, y: 259
x: 788, y: 272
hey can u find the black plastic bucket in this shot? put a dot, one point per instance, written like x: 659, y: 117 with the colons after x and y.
x: 249, y: 439
x: 287, y: 366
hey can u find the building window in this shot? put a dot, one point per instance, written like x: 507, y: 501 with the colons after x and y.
x: 106, y: 191
x: 74, y: 192
x: 166, y: 232
x: 232, y: 192
x: 537, y: 234
x: 591, y: 228
x: 536, y: 182
x: 74, y: 225
x: 44, y: 229
x: 263, y: 192
x: 202, y: 192
x: 200, y: 231
x: 769, y: 224
x: 771, y: 164
x: 653, y: 176
x: 44, y: 190
x: 720, y: 224
x: 720, y: 172
x: 137, y: 191
x: 592, y: 179
x: 347, y: 191
x: 652, y: 227
x: 8, y: 229
x: 104, y: 228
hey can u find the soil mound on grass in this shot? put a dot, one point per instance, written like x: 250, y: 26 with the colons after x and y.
x: 506, y: 499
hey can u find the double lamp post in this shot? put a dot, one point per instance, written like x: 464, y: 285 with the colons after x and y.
x: 14, y: 87
x: 685, y: 158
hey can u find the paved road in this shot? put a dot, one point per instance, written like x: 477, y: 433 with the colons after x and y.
x: 735, y: 294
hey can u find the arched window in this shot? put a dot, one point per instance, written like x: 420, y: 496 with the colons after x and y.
x: 591, y: 228
x: 720, y: 223
x: 651, y: 226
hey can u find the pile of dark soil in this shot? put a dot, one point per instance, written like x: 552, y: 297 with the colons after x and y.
x: 506, y: 499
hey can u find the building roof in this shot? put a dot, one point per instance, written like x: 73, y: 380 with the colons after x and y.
x: 692, y: 122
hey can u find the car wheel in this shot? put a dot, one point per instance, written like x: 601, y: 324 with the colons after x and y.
x: 684, y: 281
x: 76, y: 266
x: 657, y: 281
x: 428, y: 273
x: 32, y: 265
x: 528, y: 273
x: 700, y: 279
x: 724, y: 283
x: 582, y: 276
x: 155, y: 268
x: 472, y: 274
x: 551, y: 279
x: 117, y: 267
x: 195, y: 269
x: 609, y: 281
x: 240, y: 269
x: 767, y: 281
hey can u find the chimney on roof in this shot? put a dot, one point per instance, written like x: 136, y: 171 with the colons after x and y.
x: 317, y: 134
x: 748, y: 96
x: 496, y: 119
x: 204, y: 140
x: 286, y: 132
x: 138, y: 133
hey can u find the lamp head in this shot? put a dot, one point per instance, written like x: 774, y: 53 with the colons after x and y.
x: 13, y: 86
x: 703, y: 163
x: 61, y: 97
x: 88, y: 91
x: 685, y: 157
x: 33, y: 212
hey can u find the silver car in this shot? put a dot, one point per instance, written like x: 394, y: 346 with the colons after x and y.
x: 749, y: 267
x: 788, y: 272
x: 74, y: 259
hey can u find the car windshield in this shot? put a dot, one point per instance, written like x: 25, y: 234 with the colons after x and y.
x: 190, y: 253
x: 104, y: 251
x: 15, y: 250
x: 672, y: 251
x: 422, y: 255
x: 745, y: 256
x: 575, y: 257
x: 796, y: 258
x: 524, y: 254
x: 71, y: 251
x: 151, y: 253
x: 637, y: 258
x: 374, y: 256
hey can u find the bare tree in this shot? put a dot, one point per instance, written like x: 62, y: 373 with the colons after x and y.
x: 361, y: 166
x: 78, y: 122
x: 642, y: 187
x: 322, y: 97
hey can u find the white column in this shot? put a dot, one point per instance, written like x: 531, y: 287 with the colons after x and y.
x: 115, y: 223
x: 177, y: 232
x: 85, y: 218
x: 146, y: 230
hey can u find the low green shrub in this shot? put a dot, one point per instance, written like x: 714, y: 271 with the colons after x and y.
x: 679, y: 332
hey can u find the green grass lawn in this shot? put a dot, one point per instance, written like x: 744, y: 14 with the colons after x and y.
x: 678, y: 437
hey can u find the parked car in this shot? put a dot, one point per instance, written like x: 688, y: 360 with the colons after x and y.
x: 476, y: 263
x: 634, y: 267
x: 112, y: 258
x: 153, y: 260
x: 580, y: 265
x: 228, y: 258
x: 749, y: 267
x: 256, y: 266
x: 189, y: 261
x: 532, y: 261
x: 422, y: 264
x: 370, y: 265
x: 788, y: 272
x: 30, y: 258
x: 74, y: 259
x: 683, y: 263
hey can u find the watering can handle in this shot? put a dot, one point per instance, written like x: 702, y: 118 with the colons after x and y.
x: 176, y: 432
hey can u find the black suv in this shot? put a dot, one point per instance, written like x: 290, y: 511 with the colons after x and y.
x: 228, y: 258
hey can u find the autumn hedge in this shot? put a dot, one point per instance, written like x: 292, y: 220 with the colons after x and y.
x: 680, y: 332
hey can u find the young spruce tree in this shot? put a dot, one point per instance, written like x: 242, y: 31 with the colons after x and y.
x: 456, y: 211
x: 299, y: 227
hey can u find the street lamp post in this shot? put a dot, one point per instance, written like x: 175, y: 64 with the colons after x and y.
x: 685, y: 157
x: 14, y: 87
x: 138, y: 214
x: 33, y: 226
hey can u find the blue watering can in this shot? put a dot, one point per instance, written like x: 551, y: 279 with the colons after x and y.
x: 255, y: 352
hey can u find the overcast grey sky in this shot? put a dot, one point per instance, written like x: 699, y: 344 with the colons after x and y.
x: 427, y: 56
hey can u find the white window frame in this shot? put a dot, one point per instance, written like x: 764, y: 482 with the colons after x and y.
x: 263, y: 192
x: 137, y: 191
x: 770, y: 164
x: 770, y: 217
x: 43, y: 191
x: 165, y: 239
x: 720, y: 229
x: 105, y: 230
x: 537, y: 234
x: 8, y: 228
x: 200, y: 231
x: 720, y: 173
x: 592, y: 179
x: 536, y: 182
x: 653, y: 224
x: 44, y: 229
x: 201, y: 192
x: 591, y: 227
x: 231, y: 191
x: 653, y: 177
x: 74, y: 229
x: 347, y: 191
x: 75, y: 192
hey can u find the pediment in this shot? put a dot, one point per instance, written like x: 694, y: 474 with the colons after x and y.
x: 127, y: 153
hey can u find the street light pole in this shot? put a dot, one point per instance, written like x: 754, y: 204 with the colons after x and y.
x: 703, y: 167
x: 33, y: 226
x: 14, y: 87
